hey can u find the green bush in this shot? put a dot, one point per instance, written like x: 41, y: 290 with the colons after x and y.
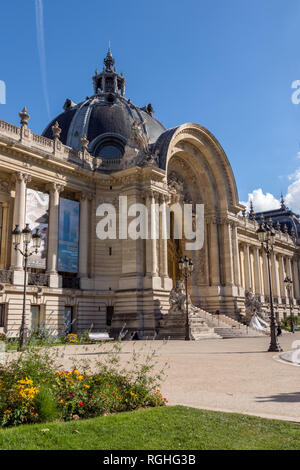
x: 286, y: 322
x: 45, y: 405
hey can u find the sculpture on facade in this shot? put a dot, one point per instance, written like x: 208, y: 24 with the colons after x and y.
x: 137, y: 150
x: 177, y: 300
x: 255, y: 316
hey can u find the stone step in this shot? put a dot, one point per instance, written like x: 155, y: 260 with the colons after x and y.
x: 237, y: 332
x: 223, y: 321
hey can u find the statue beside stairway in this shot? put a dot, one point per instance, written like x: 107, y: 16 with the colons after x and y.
x: 177, y: 300
x: 172, y: 324
x: 255, y: 316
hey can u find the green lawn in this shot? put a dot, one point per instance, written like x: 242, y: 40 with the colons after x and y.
x: 170, y: 428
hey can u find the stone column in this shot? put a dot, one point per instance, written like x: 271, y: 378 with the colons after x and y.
x: 236, y: 257
x: 282, y: 275
x: 214, y: 252
x: 54, y: 190
x: 4, y: 233
x: 265, y: 274
x: 164, y: 238
x: 149, y: 241
x: 257, y: 272
x: 83, y: 236
x: 228, y: 254
x: 275, y: 276
x: 247, y: 269
x: 19, y: 219
x: 290, y: 275
x: 296, y: 278
x: 154, y: 236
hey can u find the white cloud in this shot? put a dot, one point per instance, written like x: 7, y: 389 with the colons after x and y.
x: 292, y: 198
x: 266, y: 202
x: 261, y: 201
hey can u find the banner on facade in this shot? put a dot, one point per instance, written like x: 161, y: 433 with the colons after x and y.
x: 37, y: 204
x: 68, y: 235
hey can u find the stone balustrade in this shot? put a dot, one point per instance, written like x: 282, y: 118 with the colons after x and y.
x: 53, y: 148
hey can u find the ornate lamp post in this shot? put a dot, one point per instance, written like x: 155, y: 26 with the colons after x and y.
x: 289, y: 283
x: 186, y: 267
x: 266, y: 236
x: 17, y: 238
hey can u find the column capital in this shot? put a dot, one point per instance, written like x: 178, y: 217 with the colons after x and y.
x: 152, y: 194
x: 86, y: 195
x: 21, y: 177
x: 163, y: 198
x: 55, y: 187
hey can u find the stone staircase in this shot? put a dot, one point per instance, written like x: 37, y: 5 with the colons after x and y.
x: 172, y: 326
x: 227, y: 327
x: 204, y: 325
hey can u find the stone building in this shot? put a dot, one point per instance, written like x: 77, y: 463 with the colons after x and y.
x: 93, y: 153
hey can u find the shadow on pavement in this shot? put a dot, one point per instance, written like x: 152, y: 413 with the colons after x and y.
x: 282, y: 397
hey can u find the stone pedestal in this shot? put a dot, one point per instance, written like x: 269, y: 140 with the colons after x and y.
x: 172, y: 326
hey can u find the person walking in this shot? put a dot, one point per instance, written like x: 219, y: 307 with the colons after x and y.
x: 279, y: 331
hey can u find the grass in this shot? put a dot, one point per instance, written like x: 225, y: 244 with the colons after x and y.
x: 167, y: 428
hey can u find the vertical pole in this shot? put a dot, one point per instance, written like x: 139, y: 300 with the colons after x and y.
x: 22, y: 340
x: 291, y: 309
x: 274, y: 345
x: 187, y: 326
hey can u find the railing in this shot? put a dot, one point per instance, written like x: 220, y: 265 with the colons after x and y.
x: 6, y: 277
x: 38, y: 279
x: 42, y: 140
x: 54, y: 149
x: 10, y: 128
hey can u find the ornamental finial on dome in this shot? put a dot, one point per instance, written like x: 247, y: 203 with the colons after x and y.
x: 109, y: 61
x: 109, y: 81
x: 251, y: 214
x: 282, y: 203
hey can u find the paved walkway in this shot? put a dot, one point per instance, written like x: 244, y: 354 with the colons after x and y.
x: 235, y: 375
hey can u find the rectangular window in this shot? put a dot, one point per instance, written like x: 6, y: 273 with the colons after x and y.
x: 68, y: 236
x: 68, y: 320
x: 109, y: 314
x: 2, y: 315
x: 35, y: 317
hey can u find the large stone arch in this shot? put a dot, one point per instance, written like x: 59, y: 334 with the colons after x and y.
x: 198, y: 142
x: 196, y: 155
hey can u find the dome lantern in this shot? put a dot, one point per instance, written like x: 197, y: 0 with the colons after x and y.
x: 109, y: 81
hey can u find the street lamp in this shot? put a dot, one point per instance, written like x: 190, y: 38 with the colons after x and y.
x: 266, y: 235
x: 289, y: 283
x: 17, y: 238
x: 186, y: 267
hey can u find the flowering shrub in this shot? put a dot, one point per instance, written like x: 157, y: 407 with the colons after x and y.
x: 33, y: 390
x: 72, y: 338
x: 19, y: 404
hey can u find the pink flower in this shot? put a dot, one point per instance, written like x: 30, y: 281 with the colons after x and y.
x: 80, y: 403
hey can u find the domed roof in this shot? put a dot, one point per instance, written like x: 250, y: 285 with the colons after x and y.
x: 107, y: 113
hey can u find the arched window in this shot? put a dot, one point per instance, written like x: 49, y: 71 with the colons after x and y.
x: 109, y: 147
x: 109, y: 151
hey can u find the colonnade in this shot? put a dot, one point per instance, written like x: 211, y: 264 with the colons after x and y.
x: 253, y: 262
x: 157, y: 242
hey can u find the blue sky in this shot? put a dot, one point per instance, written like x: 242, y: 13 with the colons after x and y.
x: 225, y: 64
